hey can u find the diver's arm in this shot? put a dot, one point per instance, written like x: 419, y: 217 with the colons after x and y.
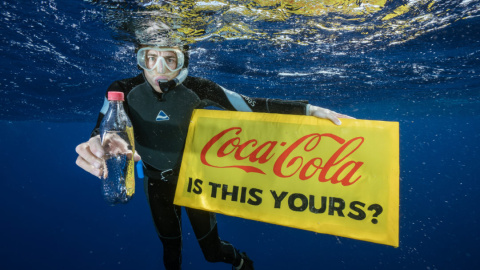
x: 208, y: 90
x: 229, y: 100
x: 299, y: 108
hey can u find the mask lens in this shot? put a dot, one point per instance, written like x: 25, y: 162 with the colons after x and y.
x: 170, y: 60
x: 164, y: 60
x: 151, y: 59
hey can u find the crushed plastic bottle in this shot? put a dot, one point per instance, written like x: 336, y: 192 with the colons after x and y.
x: 116, y: 133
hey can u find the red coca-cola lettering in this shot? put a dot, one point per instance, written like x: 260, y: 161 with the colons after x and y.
x: 235, y: 142
x: 334, y: 161
x: 315, y: 140
x: 287, y: 161
x: 317, y: 163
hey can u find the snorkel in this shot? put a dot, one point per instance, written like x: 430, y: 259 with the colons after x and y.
x: 167, y: 85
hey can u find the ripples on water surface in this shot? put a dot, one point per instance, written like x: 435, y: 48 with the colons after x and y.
x: 333, y: 22
x: 55, y: 52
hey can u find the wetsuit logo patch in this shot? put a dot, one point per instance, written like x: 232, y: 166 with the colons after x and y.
x: 162, y: 116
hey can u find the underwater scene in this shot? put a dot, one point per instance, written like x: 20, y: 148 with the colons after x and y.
x: 415, y: 62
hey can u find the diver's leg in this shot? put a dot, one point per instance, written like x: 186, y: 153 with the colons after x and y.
x: 167, y: 219
x: 204, y: 225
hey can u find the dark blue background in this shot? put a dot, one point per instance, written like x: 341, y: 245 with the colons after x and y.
x: 57, y: 60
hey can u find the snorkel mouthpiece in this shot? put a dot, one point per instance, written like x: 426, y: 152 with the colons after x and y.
x: 165, y: 86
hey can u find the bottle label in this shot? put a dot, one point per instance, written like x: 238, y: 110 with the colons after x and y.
x: 130, y: 177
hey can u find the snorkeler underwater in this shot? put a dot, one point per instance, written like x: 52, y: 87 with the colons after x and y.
x: 415, y: 63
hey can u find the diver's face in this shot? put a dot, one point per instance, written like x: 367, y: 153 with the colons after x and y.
x: 159, y: 65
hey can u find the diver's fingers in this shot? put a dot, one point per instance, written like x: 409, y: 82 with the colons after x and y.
x: 82, y: 163
x: 95, y: 146
x: 87, y: 160
x: 334, y: 119
x: 325, y: 114
x: 116, y: 142
x: 328, y: 114
x: 137, y: 157
x: 339, y: 115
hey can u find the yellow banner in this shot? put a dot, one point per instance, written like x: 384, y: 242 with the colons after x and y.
x: 295, y: 171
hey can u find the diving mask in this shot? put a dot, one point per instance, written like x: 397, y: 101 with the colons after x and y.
x: 165, y: 60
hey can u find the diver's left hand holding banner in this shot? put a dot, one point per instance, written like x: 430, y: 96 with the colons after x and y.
x: 295, y: 171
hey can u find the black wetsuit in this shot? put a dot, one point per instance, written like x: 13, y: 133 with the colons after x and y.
x: 160, y: 123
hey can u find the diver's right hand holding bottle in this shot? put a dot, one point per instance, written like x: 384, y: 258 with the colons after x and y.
x: 116, y: 133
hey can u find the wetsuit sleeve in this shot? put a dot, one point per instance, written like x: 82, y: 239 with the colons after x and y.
x: 216, y: 95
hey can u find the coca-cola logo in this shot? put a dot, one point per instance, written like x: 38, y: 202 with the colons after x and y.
x: 286, y: 160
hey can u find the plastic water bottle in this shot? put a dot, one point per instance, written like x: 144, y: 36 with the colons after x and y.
x: 116, y: 133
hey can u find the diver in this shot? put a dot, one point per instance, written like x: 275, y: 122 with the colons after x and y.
x: 160, y: 102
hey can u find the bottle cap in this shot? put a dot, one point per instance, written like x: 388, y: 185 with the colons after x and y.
x: 115, y: 96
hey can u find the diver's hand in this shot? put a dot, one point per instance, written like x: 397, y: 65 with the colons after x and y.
x: 328, y: 114
x: 91, y: 153
x: 90, y: 156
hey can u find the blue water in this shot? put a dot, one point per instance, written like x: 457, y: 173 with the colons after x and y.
x: 58, y: 57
